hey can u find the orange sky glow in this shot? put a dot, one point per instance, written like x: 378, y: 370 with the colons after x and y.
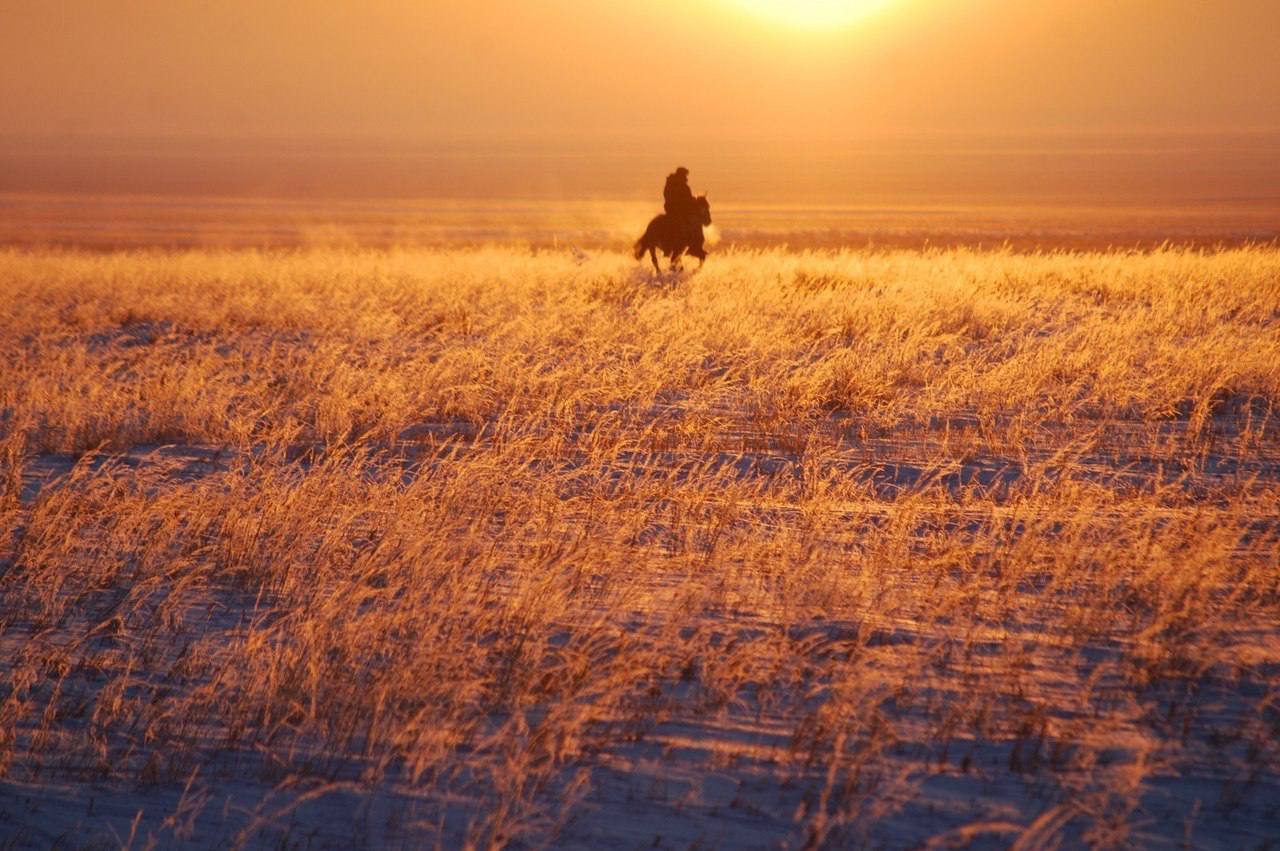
x: 518, y: 69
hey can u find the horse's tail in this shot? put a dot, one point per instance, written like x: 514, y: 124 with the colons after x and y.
x: 653, y: 236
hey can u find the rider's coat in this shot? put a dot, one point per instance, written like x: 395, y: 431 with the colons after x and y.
x: 677, y: 196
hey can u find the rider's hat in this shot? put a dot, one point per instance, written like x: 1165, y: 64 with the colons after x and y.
x: 682, y: 170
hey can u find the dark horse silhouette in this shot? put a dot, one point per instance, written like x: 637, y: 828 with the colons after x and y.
x: 675, y: 237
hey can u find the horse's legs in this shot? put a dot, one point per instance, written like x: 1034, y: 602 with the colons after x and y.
x: 653, y: 255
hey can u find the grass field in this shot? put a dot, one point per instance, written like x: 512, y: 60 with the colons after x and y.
x: 505, y: 547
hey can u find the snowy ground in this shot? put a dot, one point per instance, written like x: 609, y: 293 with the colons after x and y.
x: 1185, y: 760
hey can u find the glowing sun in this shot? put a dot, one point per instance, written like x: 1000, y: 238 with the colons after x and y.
x: 812, y: 14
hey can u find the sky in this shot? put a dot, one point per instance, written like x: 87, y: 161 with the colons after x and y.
x: 588, y: 69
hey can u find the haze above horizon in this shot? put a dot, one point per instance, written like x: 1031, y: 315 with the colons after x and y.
x: 1110, y: 169
x: 494, y: 69
x: 891, y: 101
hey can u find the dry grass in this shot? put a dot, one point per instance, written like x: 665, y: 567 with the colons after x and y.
x: 488, y: 548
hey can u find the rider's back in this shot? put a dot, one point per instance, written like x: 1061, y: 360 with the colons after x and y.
x: 677, y: 196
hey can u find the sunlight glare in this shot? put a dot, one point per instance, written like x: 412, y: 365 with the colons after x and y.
x: 812, y: 14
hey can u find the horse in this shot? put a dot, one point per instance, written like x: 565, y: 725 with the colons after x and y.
x: 675, y: 237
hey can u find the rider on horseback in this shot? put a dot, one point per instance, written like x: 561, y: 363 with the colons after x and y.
x: 678, y: 231
x: 679, y: 203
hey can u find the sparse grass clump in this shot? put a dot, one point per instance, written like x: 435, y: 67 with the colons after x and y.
x: 492, y: 548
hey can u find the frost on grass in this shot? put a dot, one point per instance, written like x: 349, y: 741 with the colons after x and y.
x: 487, y: 548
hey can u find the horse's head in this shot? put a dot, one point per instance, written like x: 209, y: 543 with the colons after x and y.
x: 703, y: 207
